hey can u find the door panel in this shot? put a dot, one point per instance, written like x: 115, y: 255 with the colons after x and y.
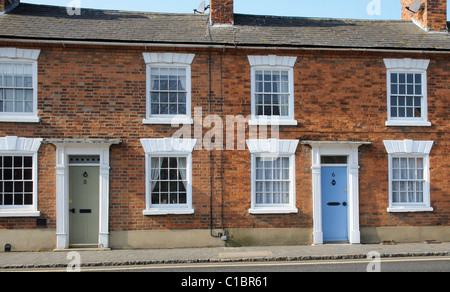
x: 83, y: 205
x: 334, y: 203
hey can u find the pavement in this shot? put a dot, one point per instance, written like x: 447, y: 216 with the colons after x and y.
x: 107, y: 257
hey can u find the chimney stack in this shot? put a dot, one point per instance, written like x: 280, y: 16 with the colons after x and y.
x: 221, y: 12
x: 432, y: 14
x: 8, y: 5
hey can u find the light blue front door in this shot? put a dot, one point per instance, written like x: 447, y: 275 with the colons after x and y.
x: 334, y: 203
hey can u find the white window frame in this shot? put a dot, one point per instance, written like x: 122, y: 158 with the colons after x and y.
x: 168, y: 60
x: 410, y: 149
x: 273, y: 148
x: 272, y: 62
x: 15, y: 146
x: 22, y: 56
x: 168, y: 147
x: 407, y: 66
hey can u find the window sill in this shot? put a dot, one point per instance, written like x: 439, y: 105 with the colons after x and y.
x: 19, y: 119
x: 19, y: 213
x: 169, y: 121
x: 409, y: 209
x: 155, y: 212
x: 272, y: 122
x: 406, y: 123
x: 272, y: 210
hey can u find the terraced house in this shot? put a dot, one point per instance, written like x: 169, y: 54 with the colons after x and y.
x: 152, y: 130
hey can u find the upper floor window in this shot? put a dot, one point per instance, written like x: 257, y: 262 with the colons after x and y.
x: 409, y: 178
x: 18, y: 176
x: 18, y: 85
x: 272, y: 83
x: 168, y: 88
x: 407, y: 92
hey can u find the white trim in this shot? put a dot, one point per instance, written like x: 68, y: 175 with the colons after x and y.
x: 23, y: 145
x: 63, y: 151
x: 168, y: 147
x: 177, y: 120
x: 407, y: 65
x: 272, y: 62
x: 410, y: 148
x: 273, y: 148
x: 22, y: 56
x: 339, y: 148
x: 168, y: 58
x: 12, y: 145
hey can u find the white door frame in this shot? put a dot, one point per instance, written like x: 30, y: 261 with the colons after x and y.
x: 336, y: 148
x: 64, y: 149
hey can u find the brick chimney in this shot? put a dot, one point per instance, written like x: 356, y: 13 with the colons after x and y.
x: 8, y: 5
x: 432, y: 15
x: 221, y: 12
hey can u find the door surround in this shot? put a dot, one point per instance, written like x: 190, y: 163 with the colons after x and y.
x: 336, y: 148
x: 64, y: 149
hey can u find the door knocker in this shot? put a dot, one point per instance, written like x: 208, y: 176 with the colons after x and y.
x: 85, y: 174
x: 333, y: 182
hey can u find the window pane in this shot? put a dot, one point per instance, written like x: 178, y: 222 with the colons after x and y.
x: 182, y: 198
x: 272, y: 180
x: 270, y: 82
x: 168, y: 178
x: 394, y: 78
x: 16, y: 86
x: 168, y: 91
x: 407, y: 180
x: 16, y: 185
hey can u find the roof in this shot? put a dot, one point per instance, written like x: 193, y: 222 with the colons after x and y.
x: 42, y: 22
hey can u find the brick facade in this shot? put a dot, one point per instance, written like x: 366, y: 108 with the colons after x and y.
x: 99, y: 92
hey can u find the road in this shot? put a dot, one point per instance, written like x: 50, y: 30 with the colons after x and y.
x: 407, y: 264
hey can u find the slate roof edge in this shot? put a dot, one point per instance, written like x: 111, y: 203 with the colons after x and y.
x: 99, y: 42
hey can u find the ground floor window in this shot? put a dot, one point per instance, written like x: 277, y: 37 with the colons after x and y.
x: 409, y: 177
x: 18, y: 176
x: 407, y: 180
x: 168, y: 180
x: 273, y: 181
x: 16, y: 180
x: 272, y: 176
x: 168, y: 176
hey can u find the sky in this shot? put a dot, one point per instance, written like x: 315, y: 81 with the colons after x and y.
x: 354, y: 9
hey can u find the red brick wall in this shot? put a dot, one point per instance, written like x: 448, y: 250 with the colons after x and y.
x: 99, y: 92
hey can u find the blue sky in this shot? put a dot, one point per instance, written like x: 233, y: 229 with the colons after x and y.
x: 359, y: 9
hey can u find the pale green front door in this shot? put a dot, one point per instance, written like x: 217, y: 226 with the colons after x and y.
x: 83, y: 205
